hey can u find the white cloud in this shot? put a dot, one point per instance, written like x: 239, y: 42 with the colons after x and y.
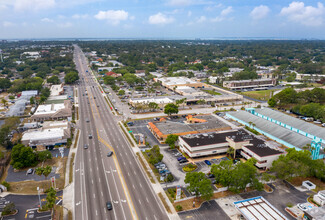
x: 65, y: 25
x: 213, y: 7
x: 22, y: 5
x: 115, y: 17
x: 306, y: 15
x: 7, y: 24
x: 259, y: 12
x: 47, y: 20
x: 189, y: 13
x: 160, y: 18
x: 198, y: 20
x: 80, y: 16
x: 223, y: 14
x: 180, y: 2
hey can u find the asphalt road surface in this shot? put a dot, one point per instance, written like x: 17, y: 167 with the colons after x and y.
x: 98, y: 178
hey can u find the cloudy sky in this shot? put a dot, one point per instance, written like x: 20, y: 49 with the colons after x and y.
x: 162, y: 18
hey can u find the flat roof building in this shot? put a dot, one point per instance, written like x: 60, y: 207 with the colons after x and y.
x: 248, y: 84
x: 53, y: 111
x: 317, y: 213
x: 52, y: 133
x: 161, y: 101
x: 258, y: 208
x: 197, y: 145
x: 163, y: 128
x: 57, y: 90
x: 282, y: 135
x: 172, y: 82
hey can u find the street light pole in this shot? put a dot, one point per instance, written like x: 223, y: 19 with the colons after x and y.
x: 39, y: 197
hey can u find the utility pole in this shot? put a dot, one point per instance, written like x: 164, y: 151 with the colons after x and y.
x: 39, y: 198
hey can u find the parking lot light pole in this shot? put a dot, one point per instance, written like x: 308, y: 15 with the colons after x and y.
x: 39, y: 197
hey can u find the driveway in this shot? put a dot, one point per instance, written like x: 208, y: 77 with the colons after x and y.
x: 208, y: 210
x: 23, y: 176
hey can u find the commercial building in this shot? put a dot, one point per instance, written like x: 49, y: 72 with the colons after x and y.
x: 258, y: 208
x: 320, y: 198
x: 50, y: 134
x: 206, y: 144
x: 161, y: 101
x: 317, y: 213
x: 208, y: 123
x: 18, y: 109
x: 57, y: 90
x: 53, y: 111
x: 172, y: 83
x: 280, y: 134
x: 249, y: 84
x: 309, y: 77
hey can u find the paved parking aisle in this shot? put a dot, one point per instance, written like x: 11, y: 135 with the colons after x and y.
x: 208, y: 210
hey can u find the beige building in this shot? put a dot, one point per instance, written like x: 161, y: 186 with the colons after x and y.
x: 173, y: 82
x: 51, y: 133
x: 249, y: 84
x: 53, y: 111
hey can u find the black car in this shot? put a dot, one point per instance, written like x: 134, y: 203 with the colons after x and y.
x: 109, y: 205
x: 109, y: 153
x: 183, y: 161
x: 90, y: 136
x: 211, y: 175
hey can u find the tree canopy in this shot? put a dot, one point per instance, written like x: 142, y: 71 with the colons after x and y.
x: 170, y: 109
x: 199, y: 184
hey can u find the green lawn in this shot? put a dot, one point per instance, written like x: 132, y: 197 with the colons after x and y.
x: 211, y: 92
x: 263, y: 95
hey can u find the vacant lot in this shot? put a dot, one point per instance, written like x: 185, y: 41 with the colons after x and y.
x: 263, y: 95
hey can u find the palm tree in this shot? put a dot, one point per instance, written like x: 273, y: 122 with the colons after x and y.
x: 250, y: 123
x: 231, y: 151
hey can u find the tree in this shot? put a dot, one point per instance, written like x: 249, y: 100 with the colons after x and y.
x: 171, y: 139
x: 50, y: 198
x: 10, y: 208
x: 109, y: 80
x: 45, y: 171
x: 5, y: 83
x: 199, y: 184
x: 22, y: 156
x: 53, y: 80
x: 170, y: 109
x: 180, y: 101
x: 121, y: 92
x: 32, y: 100
x: 153, y: 106
x: 71, y: 77
x: 154, y: 155
x: 201, y: 102
x: 4, y: 102
x: 44, y: 155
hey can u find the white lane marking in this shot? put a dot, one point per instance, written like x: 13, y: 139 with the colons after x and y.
x: 154, y: 216
x: 92, y: 181
x: 140, y: 201
x: 102, y: 193
x: 98, y: 180
x: 97, y: 167
x: 118, y: 194
x: 96, y: 212
x: 133, y: 186
x: 134, y: 172
x: 124, y: 163
x: 140, y: 185
x: 147, y: 199
x: 91, y: 170
x: 128, y: 174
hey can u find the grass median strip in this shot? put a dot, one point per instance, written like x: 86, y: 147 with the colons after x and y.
x: 164, y: 202
x: 76, y: 140
x: 145, y: 168
x: 127, y: 136
x: 71, y: 168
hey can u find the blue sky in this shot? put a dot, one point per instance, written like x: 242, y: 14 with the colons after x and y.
x: 162, y: 18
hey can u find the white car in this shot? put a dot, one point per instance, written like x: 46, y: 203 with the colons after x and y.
x: 305, y: 206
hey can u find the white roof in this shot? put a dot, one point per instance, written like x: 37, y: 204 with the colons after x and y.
x: 35, y: 135
x: 47, y: 109
x: 176, y: 81
x: 29, y: 93
x: 163, y: 100
x: 56, y: 90
x: 258, y: 208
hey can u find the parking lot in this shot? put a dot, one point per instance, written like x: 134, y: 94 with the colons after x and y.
x: 16, y: 176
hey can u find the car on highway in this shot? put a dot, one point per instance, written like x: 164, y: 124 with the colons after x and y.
x: 87, y: 119
x: 30, y: 171
x: 90, y: 136
x: 109, y: 205
x: 85, y: 146
x: 207, y: 162
x: 109, y: 153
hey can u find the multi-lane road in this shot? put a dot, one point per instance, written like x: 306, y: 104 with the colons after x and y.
x: 98, y: 178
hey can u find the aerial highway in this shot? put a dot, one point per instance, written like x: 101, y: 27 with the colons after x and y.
x: 99, y: 178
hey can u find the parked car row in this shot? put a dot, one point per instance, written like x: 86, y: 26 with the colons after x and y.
x: 162, y: 169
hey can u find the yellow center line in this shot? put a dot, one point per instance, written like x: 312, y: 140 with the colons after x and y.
x: 126, y: 190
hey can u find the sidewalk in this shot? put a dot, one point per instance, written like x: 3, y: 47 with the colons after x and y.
x: 68, y: 191
x: 156, y: 186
